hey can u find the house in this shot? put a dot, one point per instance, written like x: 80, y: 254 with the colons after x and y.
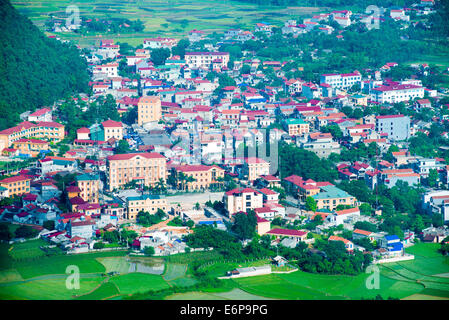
x: 330, y: 197
x: 348, y: 244
x: 393, y: 244
x: 254, y: 168
x: 340, y: 216
x: 361, y: 234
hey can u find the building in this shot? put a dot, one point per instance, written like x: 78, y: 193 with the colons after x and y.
x: 159, y: 42
x: 289, y: 233
x: 112, y: 129
x: 254, y: 168
x: 146, y: 168
x: 263, y: 226
x: 51, y: 131
x: 322, y: 144
x: 149, y: 110
x: 207, y: 59
x: 343, y: 81
x: 396, y: 126
x: 16, y: 185
x: 242, y: 199
x: 304, y: 188
x: 203, y: 176
x: 340, y: 216
x: 89, y: 186
x: 43, y: 114
x: 296, y: 127
x: 348, y: 244
x: 147, y: 203
x: 330, y: 197
x: 83, y: 229
x: 30, y: 147
x: 396, y: 93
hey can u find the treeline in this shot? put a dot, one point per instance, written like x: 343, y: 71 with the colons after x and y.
x: 35, y: 70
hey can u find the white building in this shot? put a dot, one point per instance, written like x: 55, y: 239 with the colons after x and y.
x: 396, y: 93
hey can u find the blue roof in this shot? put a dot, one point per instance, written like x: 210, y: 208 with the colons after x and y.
x: 395, y: 246
x: 392, y: 237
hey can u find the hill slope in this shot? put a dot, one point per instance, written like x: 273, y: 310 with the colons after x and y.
x: 34, y: 70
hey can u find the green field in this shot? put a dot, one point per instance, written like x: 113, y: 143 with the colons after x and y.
x: 44, y: 278
x: 163, y: 17
x: 138, y: 282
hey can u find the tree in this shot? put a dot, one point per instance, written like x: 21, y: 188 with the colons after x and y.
x: 49, y: 225
x: 5, y: 233
x: 245, y: 225
x: 122, y: 147
x: 159, y: 55
x: 311, y: 204
x: 433, y: 178
x: 25, y: 232
x: 149, y: 251
x: 99, y: 245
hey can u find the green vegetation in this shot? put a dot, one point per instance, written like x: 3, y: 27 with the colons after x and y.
x: 41, y: 69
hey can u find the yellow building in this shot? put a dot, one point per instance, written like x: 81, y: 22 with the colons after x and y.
x: 143, y: 167
x: 296, y: 127
x: 51, y: 131
x: 30, y: 146
x: 204, y: 176
x: 149, y: 109
x: 256, y: 167
x: 16, y: 185
x: 330, y: 197
x: 148, y: 203
x: 89, y: 186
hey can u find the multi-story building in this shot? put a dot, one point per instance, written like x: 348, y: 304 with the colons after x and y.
x: 304, y: 188
x: 112, y: 129
x: 254, y: 168
x: 106, y: 71
x: 147, y: 203
x: 89, y: 186
x: 207, y: 59
x: 330, y: 197
x: 396, y: 93
x: 204, y: 176
x: 30, y: 147
x: 146, y: 168
x: 296, y: 127
x: 242, y: 199
x: 321, y: 144
x: 342, y: 81
x: 16, y: 185
x: 159, y: 42
x: 396, y: 126
x: 52, y: 131
x: 149, y: 110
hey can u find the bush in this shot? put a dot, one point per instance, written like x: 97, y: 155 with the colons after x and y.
x: 99, y: 245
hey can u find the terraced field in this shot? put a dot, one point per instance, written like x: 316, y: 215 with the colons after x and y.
x: 162, y: 17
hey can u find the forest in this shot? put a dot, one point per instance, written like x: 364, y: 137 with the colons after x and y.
x: 35, y: 70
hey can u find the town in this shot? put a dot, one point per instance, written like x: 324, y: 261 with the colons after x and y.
x: 207, y: 143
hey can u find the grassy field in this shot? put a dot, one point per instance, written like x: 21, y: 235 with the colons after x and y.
x: 49, y: 289
x: 163, y: 17
x: 28, y: 250
x: 138, y: 282
x: 44, y: 278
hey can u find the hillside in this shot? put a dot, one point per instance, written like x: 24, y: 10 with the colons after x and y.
x: 34, y: 70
